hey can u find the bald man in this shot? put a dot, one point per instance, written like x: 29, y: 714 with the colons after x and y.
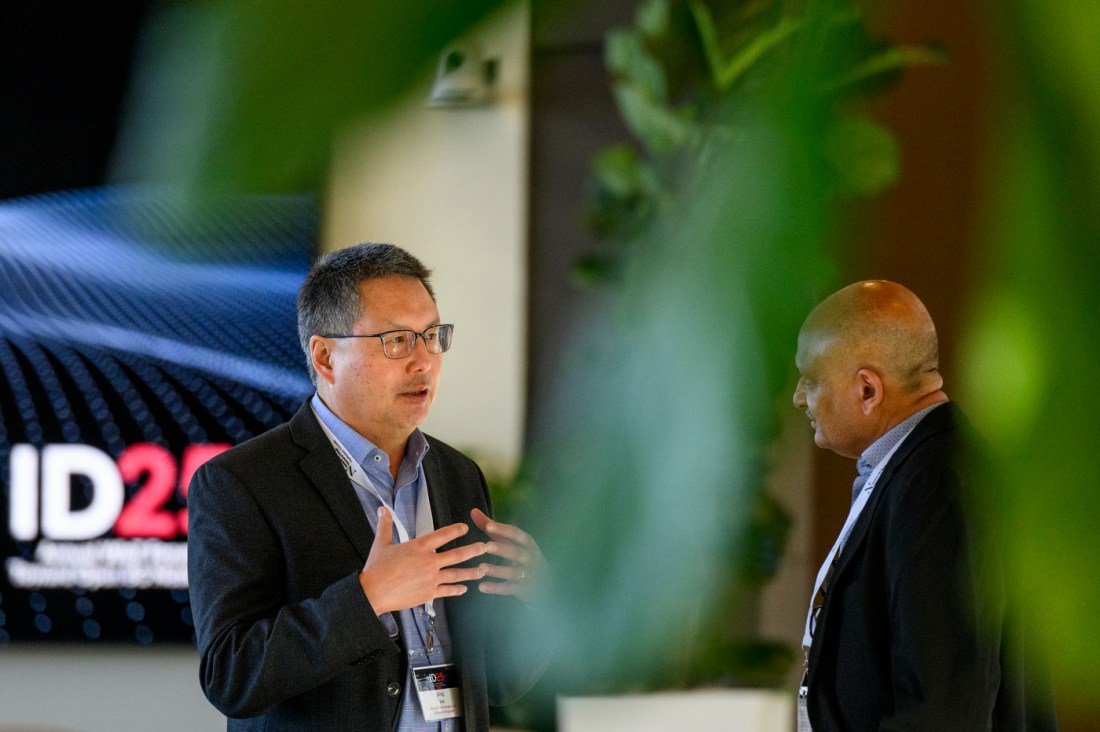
x: 905, y: 623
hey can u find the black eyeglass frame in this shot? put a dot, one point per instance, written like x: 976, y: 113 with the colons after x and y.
x: 443, y: 333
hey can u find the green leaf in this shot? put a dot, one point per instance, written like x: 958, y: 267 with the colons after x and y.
x: 621, y: 194
x: 660, y: 129
x: 625, y: 55
x: 864, y: 154
x: 709, y: 36
x: 749, y: 55
x: 652, y: 18
x: 892, y: 59
x: 620, y: 173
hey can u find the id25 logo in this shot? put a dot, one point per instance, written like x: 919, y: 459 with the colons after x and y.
x: 41, y: 494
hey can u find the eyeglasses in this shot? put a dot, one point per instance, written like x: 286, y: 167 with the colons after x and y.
x: 400, y: 343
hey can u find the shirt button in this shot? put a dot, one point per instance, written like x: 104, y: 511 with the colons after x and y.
x: 377, y: 458
x: 393, y: 689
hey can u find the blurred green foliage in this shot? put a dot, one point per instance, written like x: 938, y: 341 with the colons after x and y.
x: 1033, y: 341
x: 720, y: 222
x: 687, y: 69
x: 246, y: 95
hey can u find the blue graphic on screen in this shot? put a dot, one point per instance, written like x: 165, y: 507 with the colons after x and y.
x: 139, y: 336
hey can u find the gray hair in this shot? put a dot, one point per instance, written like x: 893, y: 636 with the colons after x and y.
x: 328, y: 301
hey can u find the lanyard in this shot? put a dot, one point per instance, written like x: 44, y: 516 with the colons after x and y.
x: 849, y: 524
x: 424, y: 524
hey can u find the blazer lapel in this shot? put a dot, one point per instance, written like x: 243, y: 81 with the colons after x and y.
x: 937, y: 420
x: 322, y: 468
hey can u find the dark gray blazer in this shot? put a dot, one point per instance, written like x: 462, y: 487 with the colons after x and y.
x: 912, y: 634
x: 286, y: 637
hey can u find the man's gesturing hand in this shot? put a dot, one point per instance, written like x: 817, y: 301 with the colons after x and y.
x: 400, y: 576
x: 524, y: 566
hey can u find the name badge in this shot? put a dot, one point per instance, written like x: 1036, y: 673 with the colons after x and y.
x: 438, y: 690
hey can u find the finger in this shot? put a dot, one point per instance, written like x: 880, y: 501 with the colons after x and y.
x: 445, y: 535
x: 383, y: 533
x: 504, y: 550
x: 461, y: 554
x: 450, y: 590
x: 481, y: 519
x: 498, y: 588
x: 507, y: 532
x: 507, y: 572
x: 465, y: 574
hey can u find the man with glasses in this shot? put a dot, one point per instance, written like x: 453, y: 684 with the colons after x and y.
x: 340, y: 565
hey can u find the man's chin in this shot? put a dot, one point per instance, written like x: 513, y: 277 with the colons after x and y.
x: 415, y: 411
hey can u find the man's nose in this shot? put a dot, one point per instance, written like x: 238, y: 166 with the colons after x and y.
x: 420, y: 358
x: 799, y: 396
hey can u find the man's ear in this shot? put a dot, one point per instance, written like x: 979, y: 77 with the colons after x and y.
x: 869, y: 384
x: 320, y: 353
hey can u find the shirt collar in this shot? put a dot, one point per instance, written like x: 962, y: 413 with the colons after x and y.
x: 372, y: 459
x: 883, y: 445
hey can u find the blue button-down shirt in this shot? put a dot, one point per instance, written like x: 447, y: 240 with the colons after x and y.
x: 401, y: 495
x: 877, y: 450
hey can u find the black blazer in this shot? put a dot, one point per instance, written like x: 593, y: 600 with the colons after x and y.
x: 912, y: 633
x: 286, y: 637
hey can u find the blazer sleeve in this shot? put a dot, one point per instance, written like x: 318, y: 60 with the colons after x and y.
x: 942, y: 610
x: 257, y: 646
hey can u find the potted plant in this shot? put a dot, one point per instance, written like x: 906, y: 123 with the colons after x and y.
x: 716, y: 218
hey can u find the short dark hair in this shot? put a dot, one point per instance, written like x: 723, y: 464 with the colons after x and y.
x: 328, y: 301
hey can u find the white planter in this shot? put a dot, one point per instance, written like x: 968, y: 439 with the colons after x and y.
x: 709, y: 710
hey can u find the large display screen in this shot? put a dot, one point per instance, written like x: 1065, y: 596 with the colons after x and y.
x: 138, y: 338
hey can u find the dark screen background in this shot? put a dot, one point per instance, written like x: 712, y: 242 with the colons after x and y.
x: 120, y: 329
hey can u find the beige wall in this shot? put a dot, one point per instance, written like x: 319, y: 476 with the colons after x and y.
x: 82, y: 688
x: 450, y: 186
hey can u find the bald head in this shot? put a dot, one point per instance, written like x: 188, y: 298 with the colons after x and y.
x: 867, y: 359
x: 882, y: 326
